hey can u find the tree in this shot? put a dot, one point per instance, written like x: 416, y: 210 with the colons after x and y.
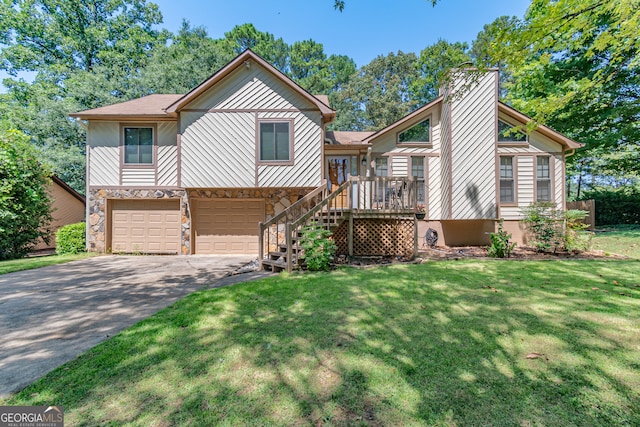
x: 378, y: 94
x: 186, y: 61
x: 311, y: 69
x: 24, y: 201
x: 575, y: 67
x: 246, y: 36
x: 434, y: 62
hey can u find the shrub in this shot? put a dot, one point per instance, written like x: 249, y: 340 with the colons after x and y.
x: 71, y: 239
x: 616, y: 206
x: 500, y: 246
x: 544, y: 224
x: 24, y: 201
x: 576, y: 239
x: 319, y: 248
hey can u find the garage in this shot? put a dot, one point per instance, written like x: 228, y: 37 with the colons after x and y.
x: 145, y: 226
x: 227, y: 226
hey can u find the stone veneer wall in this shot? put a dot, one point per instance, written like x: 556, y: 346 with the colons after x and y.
x: 276, y: 200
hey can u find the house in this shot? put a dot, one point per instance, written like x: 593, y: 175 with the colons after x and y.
x: 243, y: 161
x: 67, y: 207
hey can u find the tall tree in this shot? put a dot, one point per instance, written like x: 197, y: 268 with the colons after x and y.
x: 378, y: 94
x: 311, y: 69
x: 246, y: 36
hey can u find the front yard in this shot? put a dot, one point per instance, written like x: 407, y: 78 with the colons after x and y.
x: 442, y: 343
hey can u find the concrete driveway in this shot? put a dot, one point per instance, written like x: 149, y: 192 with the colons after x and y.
x: 50, y: 315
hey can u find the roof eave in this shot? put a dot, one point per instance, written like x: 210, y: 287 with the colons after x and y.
x: 132, y: 117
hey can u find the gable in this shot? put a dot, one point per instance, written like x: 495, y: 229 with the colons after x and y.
x: 250, y: 88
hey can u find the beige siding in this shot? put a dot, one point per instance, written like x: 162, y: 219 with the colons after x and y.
x: 65, y: 209
x: 388, y: 143
x: 558, y: 181
x: 137, y: 177
x: 250, y: 88
x: 399, y: 166
x: 473, y: 119
x: 167, y: 174
x: 104, y: 153
x: 218, y: 150
x: 445, y: 158
x: 307, y: 169
x: 524, y: 190
x: 434, y: 190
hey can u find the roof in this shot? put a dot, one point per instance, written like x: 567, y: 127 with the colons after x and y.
x: 327, y: 113
x: 568, y: 143
x: 150, y: 106
x: 68, y: 189
x: 324, y: 99
x: 347, y: 137
x: 392, y: 127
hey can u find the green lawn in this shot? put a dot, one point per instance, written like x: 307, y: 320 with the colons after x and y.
x: 620, y: 239
x: 36, y: 262
x: 442, y: 343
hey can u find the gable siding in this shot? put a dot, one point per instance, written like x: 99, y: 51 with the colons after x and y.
x: 104, y: 153
x: 473, y: 136
x: 253, y: 88
x: 167, y: 173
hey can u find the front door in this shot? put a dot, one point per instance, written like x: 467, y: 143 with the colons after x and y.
x: 339, y: 169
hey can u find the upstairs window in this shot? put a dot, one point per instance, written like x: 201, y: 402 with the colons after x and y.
x: 543, y: 180
x: 275, y: 141
x: 138, y: 146
x: 507, y: 181
x: 508, y: 133
x: 417, y: 171
x: 417, y: 134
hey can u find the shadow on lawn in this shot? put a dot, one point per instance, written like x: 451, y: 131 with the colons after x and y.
x: 441, y: 343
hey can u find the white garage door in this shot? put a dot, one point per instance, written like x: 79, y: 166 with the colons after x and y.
x: 145, y: 226
x: 227, y: 226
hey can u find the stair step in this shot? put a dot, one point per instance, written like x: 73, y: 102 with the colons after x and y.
x: 275, y: 266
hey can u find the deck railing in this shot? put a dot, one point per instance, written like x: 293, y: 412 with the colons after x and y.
x: 357, y: 195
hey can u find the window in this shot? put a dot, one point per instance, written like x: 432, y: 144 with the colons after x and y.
x: 543, y: 180
x: 382, y: 166
x: 138, y: 146
x: 417, y: 171
x: 275, y: 142
x: 507, y: 181
x: 420, y: 133
x: 507, y: 132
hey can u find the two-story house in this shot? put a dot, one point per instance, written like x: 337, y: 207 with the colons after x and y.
x: 198, y: 173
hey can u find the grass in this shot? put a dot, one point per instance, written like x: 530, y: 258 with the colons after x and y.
x: 12, y: 265
x: 442, y: 343
x: 620, y: 239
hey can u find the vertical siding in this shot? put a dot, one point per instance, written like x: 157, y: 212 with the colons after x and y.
x: 400, y: 166
x: 473, y: 118
x: 104, y: 159
x: 218, y: 150
x: 167, y: 174
x: 307, y: 148
x: 434, y: 190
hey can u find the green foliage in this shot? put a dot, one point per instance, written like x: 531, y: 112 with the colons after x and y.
x: 319, y: 248
x: 71, y: 239
x: 576, y: 239
x: 433, y: 64
x: 500, y: 246
x: 24, y: 201
x: 544, y: 224
x: 616, y: 205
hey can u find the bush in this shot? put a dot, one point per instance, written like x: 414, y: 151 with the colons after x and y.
x: 544, y: 224
x: 71, y: 239
x: 24, y: 201
x: 318, y: 246
x: 500, y: 246
x: 576, y: 239
x: 616, y: 206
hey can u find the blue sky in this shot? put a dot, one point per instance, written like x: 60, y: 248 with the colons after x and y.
x: 364, y: 30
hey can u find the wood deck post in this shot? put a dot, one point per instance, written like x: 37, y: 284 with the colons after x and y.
x: 350, y: 236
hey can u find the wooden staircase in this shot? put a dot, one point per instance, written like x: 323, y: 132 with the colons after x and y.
x: 279, y: 238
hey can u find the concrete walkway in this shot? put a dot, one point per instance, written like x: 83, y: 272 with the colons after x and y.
x: 50, y: 315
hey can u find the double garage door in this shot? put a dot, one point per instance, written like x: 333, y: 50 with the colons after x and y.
x: 220, y: 226
x: 226, y: 226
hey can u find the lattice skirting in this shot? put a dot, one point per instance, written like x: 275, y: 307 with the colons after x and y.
x: 377, y: 237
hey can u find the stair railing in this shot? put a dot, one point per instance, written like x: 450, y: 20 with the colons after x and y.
x: 272, y: 233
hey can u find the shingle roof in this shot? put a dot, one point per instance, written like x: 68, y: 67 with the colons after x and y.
x: 347, y: 137
x: 152, y: 106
